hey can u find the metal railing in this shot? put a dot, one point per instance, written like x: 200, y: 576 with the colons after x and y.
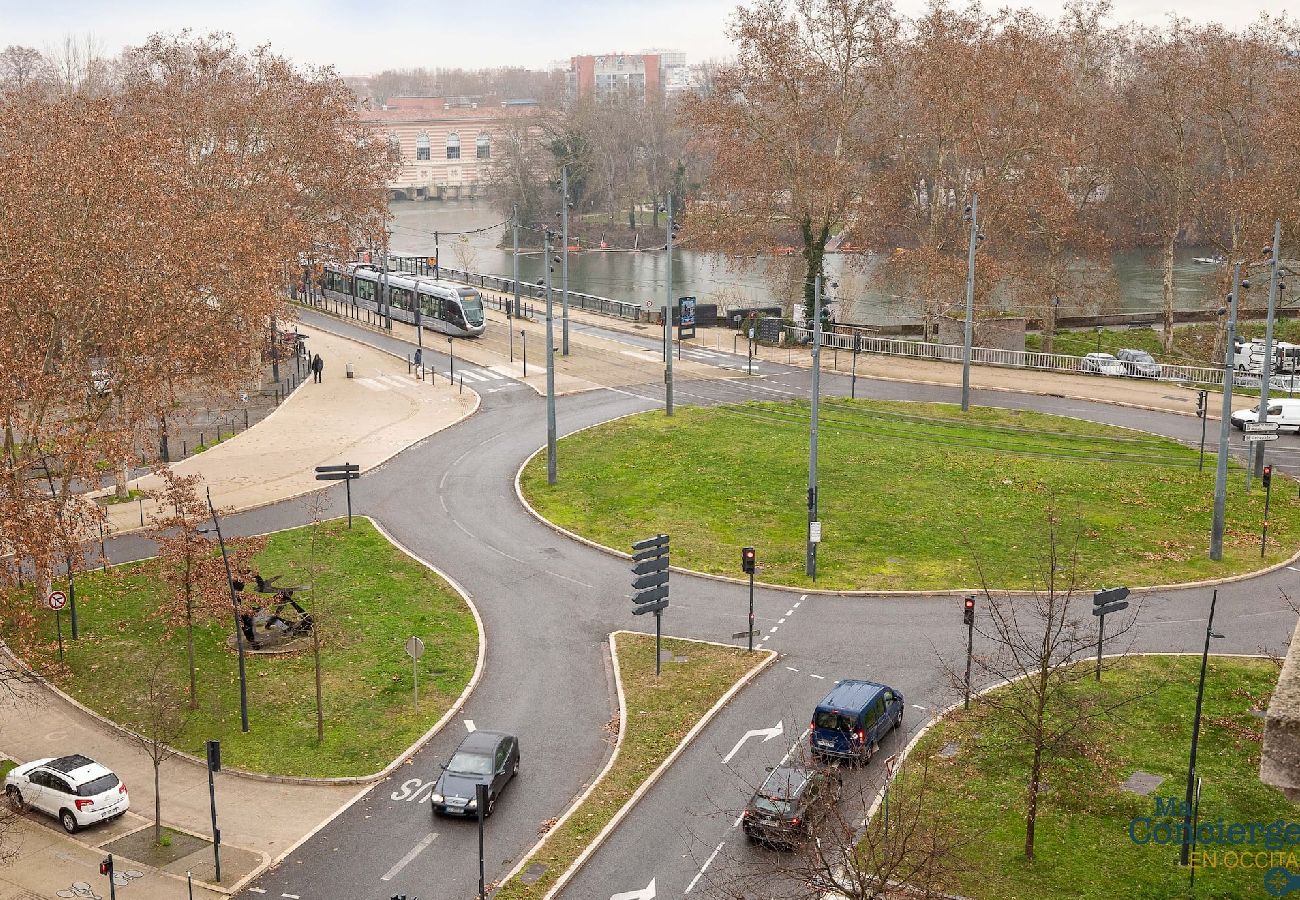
x: 1012, y: 359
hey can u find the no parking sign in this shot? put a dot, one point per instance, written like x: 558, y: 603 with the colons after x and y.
x: 56, y: 600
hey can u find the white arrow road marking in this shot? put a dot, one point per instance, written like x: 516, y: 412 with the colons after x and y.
x: 414, y: 852
x: 646, y: 893
x: 703, y: 868
x: 766, y: 733
x: 469, y: 724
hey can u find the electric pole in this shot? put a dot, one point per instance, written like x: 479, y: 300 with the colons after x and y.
x: 814, y: 526
x: 973, y: 211
x: 514, y: 233
x: 550, y: 361
x: 564, y: 256
x: 1225, y: 421
x: 668, y: 318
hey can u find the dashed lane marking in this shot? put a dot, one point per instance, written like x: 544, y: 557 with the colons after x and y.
x: 792, y: 668
x: 411, y: 854
x: 291, y: 896
x: 781, y: 621
x: 469, y: 724
x: 818, y: 677
x: 703, y: 868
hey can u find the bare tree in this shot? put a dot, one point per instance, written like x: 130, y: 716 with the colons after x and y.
x: 1034, y: 645
x: 23, y: 66
x: 157, y: 720
x: 465, y: 252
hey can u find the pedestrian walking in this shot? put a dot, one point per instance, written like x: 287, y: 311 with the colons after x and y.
x: 317, y: 366
x: 419, y: 357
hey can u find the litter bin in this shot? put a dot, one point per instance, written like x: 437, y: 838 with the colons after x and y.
x: 349, y: 367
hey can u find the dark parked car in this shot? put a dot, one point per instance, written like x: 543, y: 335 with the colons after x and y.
x: 788, y: 805
x: 484, y: 757
x: 1139, y: 363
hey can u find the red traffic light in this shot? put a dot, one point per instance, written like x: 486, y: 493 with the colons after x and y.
x: 106, y: 866
x: 970, y: 602
x: 747, y: 559
x: 1268, y: 475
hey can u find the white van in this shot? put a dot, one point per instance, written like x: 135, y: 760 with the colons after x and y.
x: 1286, y: 413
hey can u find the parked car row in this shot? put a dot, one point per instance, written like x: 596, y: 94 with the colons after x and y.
x: 1135, y: 363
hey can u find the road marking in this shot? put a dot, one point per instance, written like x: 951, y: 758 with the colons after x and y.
x: 1293, y: 569
x: 781, y: 621
x: 257, y: 890
x: 740, y: 818
x: 918, y: 706
x: 789, y: 612
x: 766, y: 733
x: 774, y: 628
x: 291, y: 896
x: 700, y: 874
x: 469, y: 724
x: 818, y: 677
x: 792, y: 668
x: 414, y: 852
x: 646, y: 893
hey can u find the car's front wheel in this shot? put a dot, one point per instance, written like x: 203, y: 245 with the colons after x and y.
x: 15, y: 797
x: 68, y: 821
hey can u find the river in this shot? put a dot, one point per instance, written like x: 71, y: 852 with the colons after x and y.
x: 714, y: 278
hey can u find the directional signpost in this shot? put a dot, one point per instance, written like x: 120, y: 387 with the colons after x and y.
x: 347, y: 472
x: 56, y: 601
x: 1107, y: 601
x: 650, y: 582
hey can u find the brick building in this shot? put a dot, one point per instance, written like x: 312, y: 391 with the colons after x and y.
x: 632, y: 76
x: 447, y: 144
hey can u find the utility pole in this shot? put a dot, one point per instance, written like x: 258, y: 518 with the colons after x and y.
x: 387, y: 298
x: 550, y: 361
x: 564, y: 257
x: 668, y: 318
x: 1225, y: 421
x: 814, y: 526
x: 973, y: 209
x: 239, y: 630
x: 514, y: 233
x: 1196, y: 733
x: 1267, y: 372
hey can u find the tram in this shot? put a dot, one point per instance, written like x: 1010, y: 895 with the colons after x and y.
x: 446, y: 307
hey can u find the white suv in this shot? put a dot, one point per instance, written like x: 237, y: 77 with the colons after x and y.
x: 76, y: 790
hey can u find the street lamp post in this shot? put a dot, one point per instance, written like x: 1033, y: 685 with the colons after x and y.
x: 564, y: 257
x: 1196, y: 733
x: 668, y: 318
x: 550, y: 362
x: 967, y: 333
x: 814, y: 536
x: 1225, y: 419
x: 239, y: 633
x: 1267, y: 372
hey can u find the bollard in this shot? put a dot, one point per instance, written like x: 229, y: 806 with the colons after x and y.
x: 349, y: 370
x: 462, y: 384
x: 245, y: 418
x: 202, y: 442
x: 184, y: 449
x: 141, y: 502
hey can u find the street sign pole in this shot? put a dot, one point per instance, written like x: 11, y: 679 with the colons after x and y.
x: 1103, y: 602
x: 751, y: 612
x: 1268, y: 495
x: 650, y: 583
x: 214, y: 765
x: 58, y: 624
x: 481, y: 800
x: 415, y: 649
x: 658, y: 638
x: 347, y: 473
x: 1201, y: 404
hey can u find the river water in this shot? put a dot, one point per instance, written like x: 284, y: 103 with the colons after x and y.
x: 714, y: 278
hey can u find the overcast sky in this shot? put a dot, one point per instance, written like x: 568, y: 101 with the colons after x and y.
x: 359, y: 38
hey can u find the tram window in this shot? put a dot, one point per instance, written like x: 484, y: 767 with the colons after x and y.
x: 365, y: 290
x: 401, y: 298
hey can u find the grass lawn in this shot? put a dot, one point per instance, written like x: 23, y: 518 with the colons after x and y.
x: 1083, y: 848
x: 370, y: 598
x: 659, y: 714
x: 912, y: 496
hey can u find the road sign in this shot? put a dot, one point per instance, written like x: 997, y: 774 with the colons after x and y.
x: 56, y: 600
x: 741, y: 634
x: 1261, y: 426
x: 346, y: 472
x: 1108, y: 608
x: 656, y: 606
x: 414, y: 647
x: 1110, y: 595
x: 344, y: 467
x: 1261, y: 436
x: 658, y: 542
x: 815, y: 532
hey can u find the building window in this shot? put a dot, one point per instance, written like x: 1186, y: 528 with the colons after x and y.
x: 453, y: 146
x: 395, y: 144
x: 484, y: 146
x: 422, y: 146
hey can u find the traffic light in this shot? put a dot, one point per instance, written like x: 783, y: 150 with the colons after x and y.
x: 747, y: 560
x: 650, y: 584
x: 968, y: 613
x: 106, y: 865
x: 1268, y: 476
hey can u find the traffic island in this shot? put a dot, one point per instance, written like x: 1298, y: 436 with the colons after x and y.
x: 366, y: 599
x: 697, y: 680
x: 1111, y: 801
x: 911, y: 496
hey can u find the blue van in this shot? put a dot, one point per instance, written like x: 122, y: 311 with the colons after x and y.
x: 853, y: 718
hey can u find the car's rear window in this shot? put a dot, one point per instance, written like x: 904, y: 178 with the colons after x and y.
x: 98, y: 786
x: 833, y: 721
x: 772, y: 805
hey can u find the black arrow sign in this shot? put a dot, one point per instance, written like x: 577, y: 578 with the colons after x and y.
x: 659, y: 540
x: 338, y: 476
x: 651, y: 608
x: 654, y: 579
x: 649, y: 566
x: 1108, y: 608
x: 1110, y: 595
x: 344, y: 467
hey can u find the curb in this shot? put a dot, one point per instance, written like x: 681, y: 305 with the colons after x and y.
x: 229, y: 890
x: 568, y: 874
x: 366, y: 780
x: 947, y: 592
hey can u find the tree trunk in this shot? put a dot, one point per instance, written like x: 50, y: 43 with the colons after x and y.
x: 814, y: 254
x: 157, y: 801
x: 320, y: 708
x: 1167, y: 338
x: 189, y: 650
x: 120, y: 475
x: 1031, y: 811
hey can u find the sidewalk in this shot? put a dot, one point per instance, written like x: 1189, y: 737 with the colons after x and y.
x: 364, y: 420
x: 259, y: 820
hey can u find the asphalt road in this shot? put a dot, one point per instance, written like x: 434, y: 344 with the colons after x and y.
x: 548, y: 605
